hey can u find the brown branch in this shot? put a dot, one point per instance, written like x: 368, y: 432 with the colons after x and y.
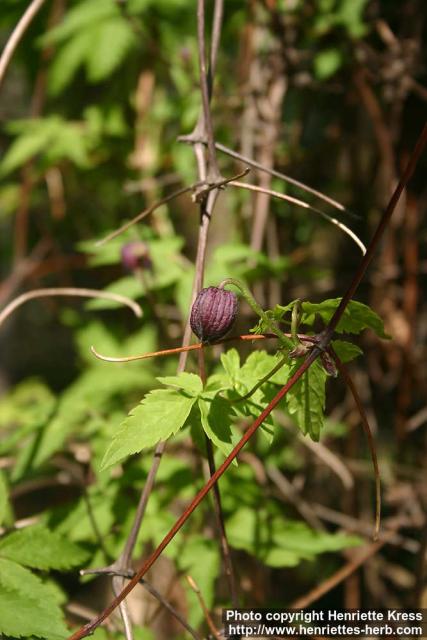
x: 365, y: 423
x: 213, y: 171
x: 199, y: 188
x: 128, y: 573
x: 279, y: 174
x: 339, y: 576
x: 146, y: 212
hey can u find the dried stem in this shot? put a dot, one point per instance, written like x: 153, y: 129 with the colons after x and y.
x: 213, y: 171
x: 128, y: 573
x: 339, y: 576
x: 283, y: 176
x: 200, y: 190
x: 305, y: 205
x: 203, y: 606
x: 17, y: 34
x: 349, y: 382
x: 68, y: 291
x: 194, y: 347
x: 146, y: 212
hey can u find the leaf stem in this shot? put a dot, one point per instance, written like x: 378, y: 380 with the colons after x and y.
x: 258, y: 310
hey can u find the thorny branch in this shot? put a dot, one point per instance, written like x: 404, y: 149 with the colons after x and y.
x: 313, y: 355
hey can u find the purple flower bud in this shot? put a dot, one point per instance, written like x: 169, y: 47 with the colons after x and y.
x: 213, y: 313
x: 135, y: 255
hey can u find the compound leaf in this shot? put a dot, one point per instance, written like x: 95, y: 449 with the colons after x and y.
x: 160, y: 414
x: 356, y: 317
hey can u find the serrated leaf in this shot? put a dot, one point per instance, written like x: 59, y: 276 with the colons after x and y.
x: 306, y: 400
x: 189, y: 382
x: 28, y: 607
x: 346, y: 351
x: 216, y: 418
x: 160, y: 414
x: 357, y: 316
x: 39, y: 548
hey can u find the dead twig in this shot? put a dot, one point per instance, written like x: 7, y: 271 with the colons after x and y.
x: 17, y: 34
x: 68, y: 291
x: 305, y: 205
x: 205, y: 610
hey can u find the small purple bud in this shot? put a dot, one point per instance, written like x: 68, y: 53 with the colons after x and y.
x: 135, y: 255
x: 213, y: 313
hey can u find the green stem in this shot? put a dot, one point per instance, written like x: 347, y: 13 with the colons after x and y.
x: 271, y: 373
x: 270, y: 324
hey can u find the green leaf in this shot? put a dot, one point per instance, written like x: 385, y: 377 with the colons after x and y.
x: 346, y: 351
x: 110, y: 42
x: 82, y: 16
x: 28, y: 607
x: 40, y: 548
x: 26, y: 146
x: 67, y: 60
x: 277, y: 541
x: 306, y: 400
x: 259, y: 364
x: 53, y: 137
x: 327, y: 62
x: 216, y: 418
x: 160, y: 414
x: 189, y: 382
x: 231, y: 363
x: 356, y: 317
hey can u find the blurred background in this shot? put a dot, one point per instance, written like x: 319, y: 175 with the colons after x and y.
x: 330, y: 92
